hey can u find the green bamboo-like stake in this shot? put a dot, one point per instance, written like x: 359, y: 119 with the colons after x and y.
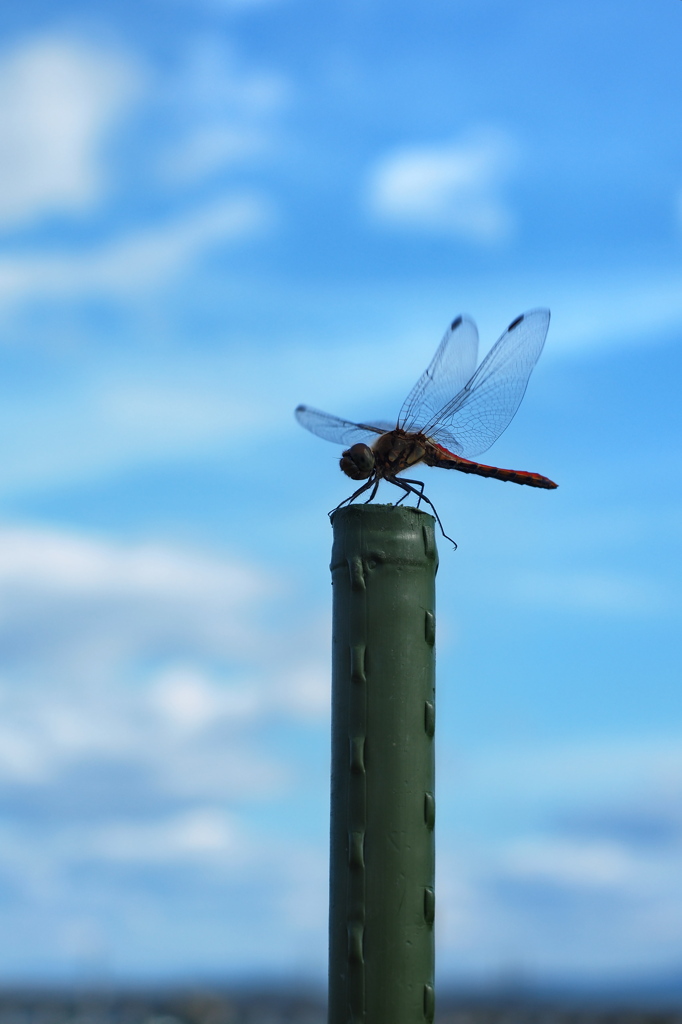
x: 381, y: 955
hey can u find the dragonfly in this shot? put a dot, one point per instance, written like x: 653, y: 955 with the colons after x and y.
x: 454, y: 412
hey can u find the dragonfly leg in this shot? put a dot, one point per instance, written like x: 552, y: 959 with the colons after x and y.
x: 420, y: 485
x: 373, y: 481
x: 409, y: 489
x: 374, y: 490
x: 407, y: 493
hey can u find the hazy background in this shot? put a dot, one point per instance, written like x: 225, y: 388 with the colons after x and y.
x: 212, y: 211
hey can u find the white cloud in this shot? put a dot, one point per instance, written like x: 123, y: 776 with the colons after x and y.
x: 140, y: 693
x: 190, y: 700
x: 558, y: 908
x: 451, y: 188
x: 134, y: 598
x: 59, y: 99
x: 35, y: 560
x: 571, y: 862
x: 588, y: 882
x: 135, y: 263
x: 80, y: 618
x: 204, y: 832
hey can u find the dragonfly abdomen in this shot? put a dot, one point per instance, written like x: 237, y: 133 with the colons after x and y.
x: 515, y: 476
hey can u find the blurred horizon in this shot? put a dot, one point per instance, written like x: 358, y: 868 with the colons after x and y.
x: 209, y: 213
x: 290, y: 1006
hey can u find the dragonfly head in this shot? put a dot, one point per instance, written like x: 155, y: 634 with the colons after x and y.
x: 357, y: 462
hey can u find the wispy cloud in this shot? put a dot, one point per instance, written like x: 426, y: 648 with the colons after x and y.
x: 146, y: 258
x: 59, y: 99
x: 634, y: 307
x: 223, y: 112
x: 137, y: 597
x: 139, y: 686
x: 79, y: 613
x: 452, y: 188
x: 210, y: 148
x: 204, y: 833
x: 568, y: 892
x: 33, y: 560
x: 570, y: 862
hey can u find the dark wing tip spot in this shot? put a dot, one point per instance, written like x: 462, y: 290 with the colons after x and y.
x: 455, y: 323
x: 515, y: 323
x: 300, y: 408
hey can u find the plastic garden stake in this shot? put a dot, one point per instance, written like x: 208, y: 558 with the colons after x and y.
x: 381, y: 957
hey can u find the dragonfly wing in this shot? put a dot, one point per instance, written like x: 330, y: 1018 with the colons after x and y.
x: 331, y: 428
x: 448, y: 372
x: 487, y: 403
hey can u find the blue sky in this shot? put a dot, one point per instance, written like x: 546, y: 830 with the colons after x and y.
x: 210, y: 212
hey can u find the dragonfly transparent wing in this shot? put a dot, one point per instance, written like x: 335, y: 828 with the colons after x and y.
x: 486, y: 405
x: 447, y: 373
x: 332, y: 428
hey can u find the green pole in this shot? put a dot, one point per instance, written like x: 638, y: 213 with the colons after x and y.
x: 381, y: 949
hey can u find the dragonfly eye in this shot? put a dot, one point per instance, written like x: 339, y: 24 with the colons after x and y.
x: 358, y: 462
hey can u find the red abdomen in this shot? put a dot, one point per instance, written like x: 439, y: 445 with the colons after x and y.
x: 443, y: 459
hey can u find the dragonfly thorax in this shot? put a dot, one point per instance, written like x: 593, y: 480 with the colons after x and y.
x: 398, y: 450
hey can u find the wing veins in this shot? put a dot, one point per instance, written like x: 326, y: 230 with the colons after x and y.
x: 475, y: 417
